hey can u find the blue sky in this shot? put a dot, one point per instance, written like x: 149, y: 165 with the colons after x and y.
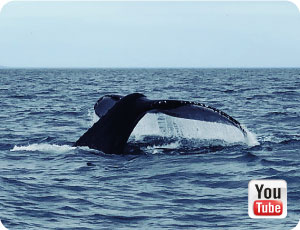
x: 150, y: 34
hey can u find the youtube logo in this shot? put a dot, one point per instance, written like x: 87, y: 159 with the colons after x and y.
x: 267, y: 199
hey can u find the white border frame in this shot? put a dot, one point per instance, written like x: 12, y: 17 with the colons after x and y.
x: 295, y: 2
x: 4, y: 2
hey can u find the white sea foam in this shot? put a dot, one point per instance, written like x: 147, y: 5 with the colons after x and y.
x: 167, y: 126
x: 49, y: 148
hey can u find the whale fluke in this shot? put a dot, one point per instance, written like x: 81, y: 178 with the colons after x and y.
x: 119, y: 115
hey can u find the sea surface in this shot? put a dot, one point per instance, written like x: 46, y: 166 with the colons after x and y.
x: 183, y: 174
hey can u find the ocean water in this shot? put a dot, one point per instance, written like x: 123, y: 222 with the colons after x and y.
x: 182, y: 174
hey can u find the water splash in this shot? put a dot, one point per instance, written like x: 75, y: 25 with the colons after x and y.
x: 48, y: 148
x: 154, y: 149
x: 167, y: 126
x: 251, y: 139
x: 93, y: 118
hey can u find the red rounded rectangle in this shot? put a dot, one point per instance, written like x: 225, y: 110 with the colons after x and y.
x: 267, y: 207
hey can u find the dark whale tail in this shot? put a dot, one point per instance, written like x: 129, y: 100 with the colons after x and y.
x: 119, y: 115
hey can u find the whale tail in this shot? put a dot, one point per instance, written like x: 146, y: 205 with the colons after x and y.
x: 119, y: 115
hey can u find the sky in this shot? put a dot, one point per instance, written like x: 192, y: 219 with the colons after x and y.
x: 150, y: 34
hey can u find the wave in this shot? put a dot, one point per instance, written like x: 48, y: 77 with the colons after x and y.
x: 44, y: 147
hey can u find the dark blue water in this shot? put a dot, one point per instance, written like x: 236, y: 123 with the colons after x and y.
x: 182, y: 177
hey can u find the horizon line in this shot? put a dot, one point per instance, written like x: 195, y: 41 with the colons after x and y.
x: 152, y: 67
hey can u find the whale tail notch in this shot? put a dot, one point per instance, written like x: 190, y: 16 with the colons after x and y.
x: 119, y: 115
